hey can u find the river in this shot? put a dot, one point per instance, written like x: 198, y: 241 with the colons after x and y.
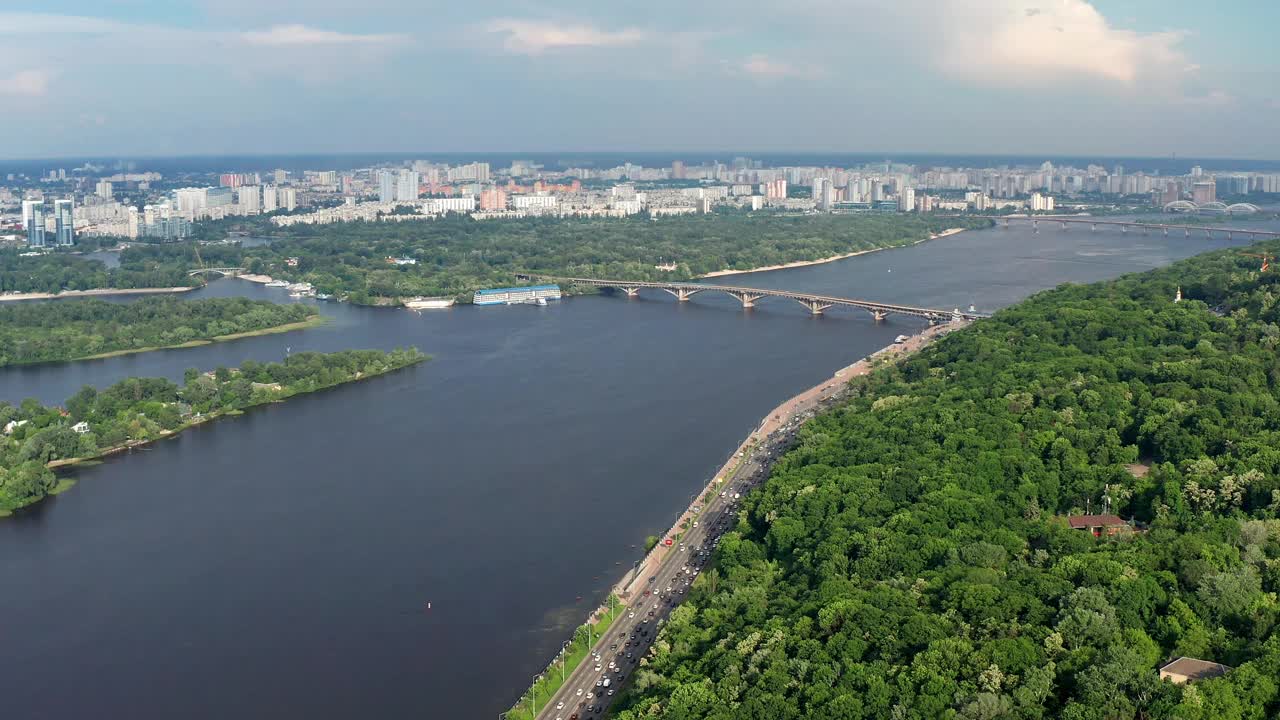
x: 279, y: 564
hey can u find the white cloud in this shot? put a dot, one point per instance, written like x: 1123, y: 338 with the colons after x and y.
x: 534, y: 37
x: 22, y: 23
x: 1030, y: 42
x: 301, y: 35
x: 763, y: 66
x: 26, y: 83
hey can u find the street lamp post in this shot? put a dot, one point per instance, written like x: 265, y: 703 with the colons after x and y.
x: 533, y: 695
x: 563, y: 651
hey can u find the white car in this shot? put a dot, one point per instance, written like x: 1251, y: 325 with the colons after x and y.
x: 560, y: 705
x: 579, y: 692
x: 631, y: 615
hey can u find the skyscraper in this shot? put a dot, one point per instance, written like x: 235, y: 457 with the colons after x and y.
x: 103, y: 189
x: 407, y: 186
x: 268, y: 198
x: 386, y: 186
x: 907, y: 199
x: 33, y: 221
x: 65, y: 231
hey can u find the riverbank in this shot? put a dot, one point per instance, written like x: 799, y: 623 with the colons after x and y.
x: 806, y: 263
x: 797, y: 409
x: 314, y: 321
x: 100, y: 292
x: 280, y: 396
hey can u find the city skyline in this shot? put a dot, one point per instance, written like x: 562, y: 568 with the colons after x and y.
x: 1012, y: 77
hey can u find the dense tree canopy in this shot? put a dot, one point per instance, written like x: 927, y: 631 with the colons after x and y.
x: 71, y: 329
x: 138, y: 410
x: 457, y: 255
x: 58, y: 271
x: 910, y: 557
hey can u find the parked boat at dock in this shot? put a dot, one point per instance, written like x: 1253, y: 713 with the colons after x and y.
x: 426, y: 303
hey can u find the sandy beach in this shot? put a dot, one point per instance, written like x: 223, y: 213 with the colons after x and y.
x: 833, y: 258
x: 101, y: 292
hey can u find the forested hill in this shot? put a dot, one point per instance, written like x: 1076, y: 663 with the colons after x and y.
x: 911, y: 557
x: 73, y: 329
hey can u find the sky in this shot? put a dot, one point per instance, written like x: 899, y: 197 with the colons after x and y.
x: 1061, y: 77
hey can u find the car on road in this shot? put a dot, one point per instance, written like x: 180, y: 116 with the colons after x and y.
x: 579, y: 692
x: 560, y: 705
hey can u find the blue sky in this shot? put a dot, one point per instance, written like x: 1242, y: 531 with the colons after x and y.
x: 1072, y: 77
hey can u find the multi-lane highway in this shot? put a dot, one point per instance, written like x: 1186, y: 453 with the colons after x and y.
x: 666, y: 577
x: 617, y: 654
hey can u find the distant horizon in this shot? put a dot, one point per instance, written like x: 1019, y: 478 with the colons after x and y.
x: 705, y: 155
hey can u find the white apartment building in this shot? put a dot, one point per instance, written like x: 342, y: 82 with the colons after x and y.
x: 526, y: 202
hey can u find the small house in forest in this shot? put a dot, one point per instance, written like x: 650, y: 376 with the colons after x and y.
x: 1185, y: 669
x: 1099, y: 525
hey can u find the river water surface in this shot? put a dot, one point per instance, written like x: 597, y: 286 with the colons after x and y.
x: 279, y: 564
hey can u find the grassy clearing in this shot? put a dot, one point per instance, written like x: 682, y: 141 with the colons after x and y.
x: 550, y: 683
x: 64, y: 484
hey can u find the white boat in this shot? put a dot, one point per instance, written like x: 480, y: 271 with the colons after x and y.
x: 278, y: 283
x: 425, y: 303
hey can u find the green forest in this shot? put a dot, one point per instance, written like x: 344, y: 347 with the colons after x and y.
x: 457, y: 255
x: 58, y: 271
x: 911, y: 556
x: 140, y: 410
x: 74, y: 329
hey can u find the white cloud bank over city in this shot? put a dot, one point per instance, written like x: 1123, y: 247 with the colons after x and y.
x: 604, y: 75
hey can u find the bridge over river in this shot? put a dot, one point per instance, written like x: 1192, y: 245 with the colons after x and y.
x: 748, y: 296
x: 1144, y: 227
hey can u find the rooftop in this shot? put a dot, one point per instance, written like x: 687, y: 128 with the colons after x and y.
x: 1087, y: 521
x: 1194, y: 669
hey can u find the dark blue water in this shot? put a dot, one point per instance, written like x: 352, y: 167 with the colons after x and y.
x: 278, y: 564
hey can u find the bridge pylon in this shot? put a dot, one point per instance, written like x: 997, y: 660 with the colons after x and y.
x: 748, y: 300
x: 682, y: 294
x: 631, y: 291
x: 879, y: 315
x: 815, y: 306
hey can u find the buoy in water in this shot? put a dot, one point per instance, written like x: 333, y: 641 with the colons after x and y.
x: 428, y: 606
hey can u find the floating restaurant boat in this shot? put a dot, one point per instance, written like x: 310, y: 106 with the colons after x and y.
x: 278, y: 283
x: 517, y: 295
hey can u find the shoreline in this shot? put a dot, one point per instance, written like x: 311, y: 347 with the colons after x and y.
x: 822, y: 261
x: 64, y: 463
x: 315, y: 321
x: 98, y: 292
x: 799, y: 408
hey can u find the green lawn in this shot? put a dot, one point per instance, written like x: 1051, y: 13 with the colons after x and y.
x: 550, y: 682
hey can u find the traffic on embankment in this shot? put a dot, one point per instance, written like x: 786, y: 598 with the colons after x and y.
x: 659, y: 582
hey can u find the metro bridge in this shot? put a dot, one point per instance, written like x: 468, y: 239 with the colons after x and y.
x: 1144, y: 227
x: 816, y: 304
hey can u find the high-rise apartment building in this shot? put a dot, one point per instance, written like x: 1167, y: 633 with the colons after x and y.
x: 268, y: 198
x: 386, y: 186
x: 407, y: 186
x: 103, y: 189
x: 907, y: 199
x: 64, y: 223
x: 776, y: 189
x: 287, y: 198
x: 33, y: 221
x: 249, y: 199
x: 1204, y: 192
x: 493, y: 199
